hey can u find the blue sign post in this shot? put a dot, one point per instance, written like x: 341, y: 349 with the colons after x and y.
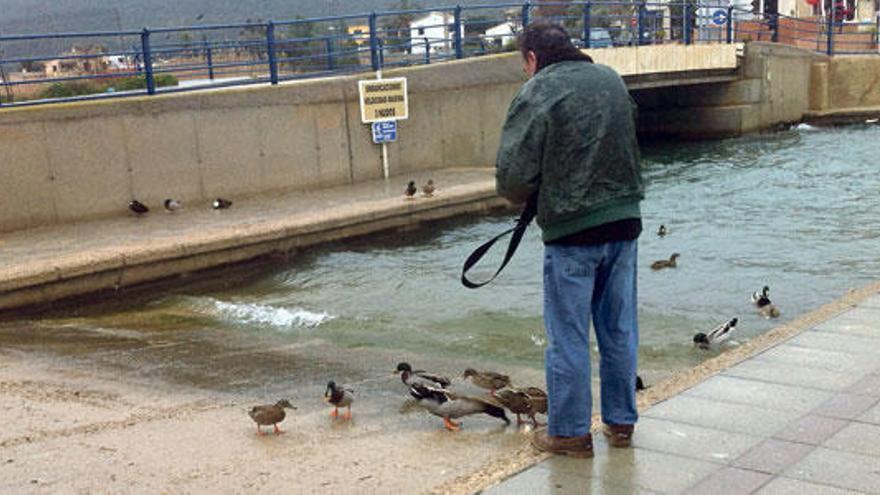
x: 385, y: 131
x: 719, y: 17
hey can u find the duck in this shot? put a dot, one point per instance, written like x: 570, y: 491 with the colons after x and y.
x: 221, y: 204
x: 270, y: 414
x: 769, y: 311
x: 489, y: 380
x: 761, y: 298
x: 408, y: 376
x: 172, y: 205
x: 411, y: 190
x: 670, y: 263
x: 716, y: 335
x: 338, y: 397
x: 137, y: 207
x: 449, y: 406
x: 640, y: 384
x: 529, y: 401
x: 428, y: 189
x: 662, y: 231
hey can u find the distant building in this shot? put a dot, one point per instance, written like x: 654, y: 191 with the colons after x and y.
x: 503, y: 34
x: 437, y: 30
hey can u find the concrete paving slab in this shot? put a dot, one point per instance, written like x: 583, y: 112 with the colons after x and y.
x: 769, y: 371
x: 863, y: 321
x: 543, y: 479
x: 638, y: 469
x: 696, y: 442
x: 860, y: 438
x: 809, y: 357
x: 840, y: 469
x: 788, y: 486
x: 872, y: 302
x: 846, y: 406
x: 725, y: 416
x: 852, y: 344
x: 810, y: 429
x: 773, y: 456
x: 872, y: 416
x: 730, y: 481
x: 759, y: 393
x: 870, y: 385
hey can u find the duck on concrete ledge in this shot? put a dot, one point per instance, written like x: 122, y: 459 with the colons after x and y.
x: 338, y: 397
x: 270, y: 415
x: 489, y: 380
x: 447, y: 405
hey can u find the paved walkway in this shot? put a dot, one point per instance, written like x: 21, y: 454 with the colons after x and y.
x: 801, y: 417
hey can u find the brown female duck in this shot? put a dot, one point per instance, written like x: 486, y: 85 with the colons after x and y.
x: 270, y: 414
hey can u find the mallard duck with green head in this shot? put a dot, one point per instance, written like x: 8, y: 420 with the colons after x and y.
x: 338, y: 397
x: 270, y: 415
x: 409, y: 376
x: 449, y: 406
x: 489, y: 380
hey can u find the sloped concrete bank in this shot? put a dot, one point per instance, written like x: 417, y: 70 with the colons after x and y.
x: 40, y: 266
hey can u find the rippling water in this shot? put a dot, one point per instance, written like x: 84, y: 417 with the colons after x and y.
x: 796, y: 210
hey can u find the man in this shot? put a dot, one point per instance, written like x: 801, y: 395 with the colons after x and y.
x: 570, y: 138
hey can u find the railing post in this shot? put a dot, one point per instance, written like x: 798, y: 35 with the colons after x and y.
x: 270, y: 49
x: 829, y: 49
x: 456, y: 24
x: 374, y: 42
x: 686, y: 32
x: 427, y: 50
x: 381, y: 52
x: 588, y: 7
x: 730, y: 24
x: 641, y: 24
x: 525, y: 14
x: 774, y: 31
x: 148, y: 61
x: 209, y: 59
x: 330, y: 62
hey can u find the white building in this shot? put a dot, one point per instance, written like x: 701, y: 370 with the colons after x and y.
x: 435, y: 30
x: 503, y: 34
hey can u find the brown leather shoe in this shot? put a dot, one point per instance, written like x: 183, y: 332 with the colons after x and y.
x: 581, y: 446
x: 619, y: 435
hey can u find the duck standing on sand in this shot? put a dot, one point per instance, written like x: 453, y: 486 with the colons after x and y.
x: 270, y: 414
x: 670, y: 263
x: 716, y: 336
x: 487, y: 379
x: 447, y: 405
x: 409, y: 376
x: 338, y: 397
x: 528, y: 401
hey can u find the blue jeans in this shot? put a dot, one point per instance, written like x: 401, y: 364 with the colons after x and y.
x: 580, y: 281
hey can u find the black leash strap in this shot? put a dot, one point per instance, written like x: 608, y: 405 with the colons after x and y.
x: 525, y: 218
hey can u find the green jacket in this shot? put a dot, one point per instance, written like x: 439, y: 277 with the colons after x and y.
x: 570, y: 136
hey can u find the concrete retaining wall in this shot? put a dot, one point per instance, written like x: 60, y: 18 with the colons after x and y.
x: 78, y: 161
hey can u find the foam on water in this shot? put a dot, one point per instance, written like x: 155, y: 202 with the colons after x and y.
x: 262, y: 314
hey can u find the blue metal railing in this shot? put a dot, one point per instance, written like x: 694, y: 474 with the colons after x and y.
x: 171, y: 59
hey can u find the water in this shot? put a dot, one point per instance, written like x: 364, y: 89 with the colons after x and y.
x: 795, y: 210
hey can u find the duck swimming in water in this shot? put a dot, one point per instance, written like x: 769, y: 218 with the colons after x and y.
x: 270, y: 414
x: 662, y: 231
x: 448, y: 405
x: 761, y: 298
x: 409, y: 376
x: 716, y: 336
x: 338, y: 397
x: 670, y: 263
x: 489, y: 380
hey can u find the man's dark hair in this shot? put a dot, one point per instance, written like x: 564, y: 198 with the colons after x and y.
x: 551, y: 44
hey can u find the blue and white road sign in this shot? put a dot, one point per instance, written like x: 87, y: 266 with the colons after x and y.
x: 719, y: 17
x: 385, y: 131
